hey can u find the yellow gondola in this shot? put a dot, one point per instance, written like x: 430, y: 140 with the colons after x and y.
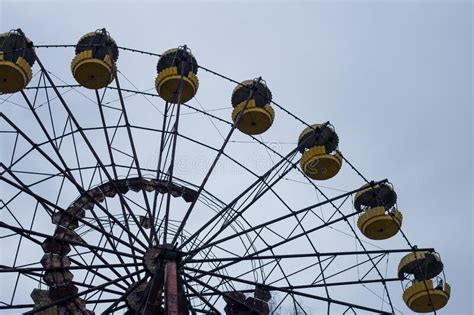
x: 177, y: 69
x: 379, y: 224
x: 252, y: 112
x: 320, y: 160
x: 421, y: 269
x: 423, y: 297
x: 93, y: 66
x: 379, y: 219
x: 16, y: 59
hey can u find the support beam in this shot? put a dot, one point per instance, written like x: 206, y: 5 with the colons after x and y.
x: 275, y: 257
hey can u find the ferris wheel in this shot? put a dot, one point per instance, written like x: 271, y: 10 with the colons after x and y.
x: 105, y: 208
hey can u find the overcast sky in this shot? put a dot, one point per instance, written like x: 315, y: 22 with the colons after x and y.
x: 393, y: 77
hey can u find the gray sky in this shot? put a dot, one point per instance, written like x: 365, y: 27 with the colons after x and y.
x: 393, y: 77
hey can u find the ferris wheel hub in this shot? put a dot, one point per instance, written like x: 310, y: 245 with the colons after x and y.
x: 163, y: 293
x: 155, y: 257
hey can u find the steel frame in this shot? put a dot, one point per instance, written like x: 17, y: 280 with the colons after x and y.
x: 176, y: 270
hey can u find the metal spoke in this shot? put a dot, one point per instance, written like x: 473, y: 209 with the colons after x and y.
x: 286, y: 290
x: 216, y: 159
x: 284, y: 217
x: 308, y: 255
